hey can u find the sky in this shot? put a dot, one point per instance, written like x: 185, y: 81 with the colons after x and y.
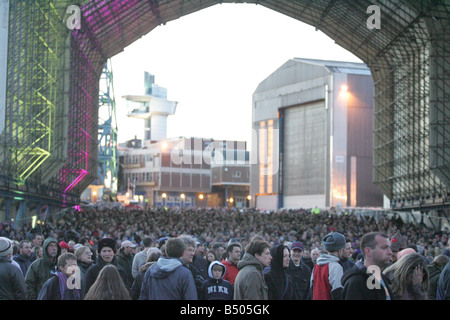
x: 211, y: 62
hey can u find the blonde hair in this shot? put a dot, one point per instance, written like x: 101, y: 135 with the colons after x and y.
x: 404, y: 267
x: 79, y: 252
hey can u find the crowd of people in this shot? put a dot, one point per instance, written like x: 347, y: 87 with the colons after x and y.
x: 225, y: 254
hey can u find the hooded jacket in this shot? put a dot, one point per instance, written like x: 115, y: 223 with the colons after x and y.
x: 217, y: 289
x: 326, y: 278
x: 356, y: 280
x: 41, y: 270
x: 278, y: 280
x: 250, y: 283
x: 168, y: 279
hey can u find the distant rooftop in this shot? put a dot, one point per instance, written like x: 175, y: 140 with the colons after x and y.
x: 339, y: 66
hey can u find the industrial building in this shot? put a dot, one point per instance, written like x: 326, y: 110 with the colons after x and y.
x: 176, y: 172
x: 314, y: 137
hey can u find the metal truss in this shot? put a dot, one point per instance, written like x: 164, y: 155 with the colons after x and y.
x: 107, y: 133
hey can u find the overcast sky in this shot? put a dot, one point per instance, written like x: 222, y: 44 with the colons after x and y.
x: 211, y: 62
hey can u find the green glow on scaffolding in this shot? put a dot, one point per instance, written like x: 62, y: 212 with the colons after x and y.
x: 35, y: 66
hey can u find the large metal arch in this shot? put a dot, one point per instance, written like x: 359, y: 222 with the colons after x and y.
x: 408, y: 57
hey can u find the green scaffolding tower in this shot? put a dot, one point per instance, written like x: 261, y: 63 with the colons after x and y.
x: 107, y: 134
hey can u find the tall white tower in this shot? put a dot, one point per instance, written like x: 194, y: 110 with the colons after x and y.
x: 153, y: 107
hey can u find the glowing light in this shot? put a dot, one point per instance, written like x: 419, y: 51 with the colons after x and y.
x: 33, y: 221
x: 201, y: 196
x: 182, y: 196
x: 249, y: 197
x: 78, y: 179
x: 164, y: 195
x: 344, y: 88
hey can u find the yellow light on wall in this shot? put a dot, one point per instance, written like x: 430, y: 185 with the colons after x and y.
x: 201, y: 196
x: 164, y: 195
x: 249, y: 197
x: 231, y: 200
x: 344, y: 91
x: 182, y: 196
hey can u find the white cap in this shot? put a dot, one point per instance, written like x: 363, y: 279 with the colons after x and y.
x: 128, y: 244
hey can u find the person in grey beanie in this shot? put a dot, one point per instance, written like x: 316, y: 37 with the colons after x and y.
x: 12, y: 282
x: 327, y: 273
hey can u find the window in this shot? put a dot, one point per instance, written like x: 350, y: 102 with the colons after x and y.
x: 236, y: 174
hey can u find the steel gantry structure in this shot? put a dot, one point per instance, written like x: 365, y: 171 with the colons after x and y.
x: 107, y: 133
x: 51, y: 69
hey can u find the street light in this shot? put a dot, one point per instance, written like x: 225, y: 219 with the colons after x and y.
x: 164, y: 196
x: 182, y: 196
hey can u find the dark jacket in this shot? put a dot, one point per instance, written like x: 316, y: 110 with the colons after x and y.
x: 308, y: 262
x: 12, y: 283
x: 41, y: 270
x: 93, y: 271
x: 355, y: 282
x: 168, y: 279
x: 198, y: 277
x: 216, y: 289
x: 135, y: 290
x: 201, y: 265
x: 83, y: 268
x: 126, y: 262
x: 434, y: 272
x: 346, y: 264
x: 301, y: 276
x: 277, y: 279
x: 51, y: 291
x: 443, y: 289
x: 24, y: 262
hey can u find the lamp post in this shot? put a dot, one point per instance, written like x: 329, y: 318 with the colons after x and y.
x: 182, y: 196
x: 164, y: 196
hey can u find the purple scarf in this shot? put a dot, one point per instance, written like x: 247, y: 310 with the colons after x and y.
x: 63, y: 286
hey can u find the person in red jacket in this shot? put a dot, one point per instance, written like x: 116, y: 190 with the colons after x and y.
x: 233, y: 257
x: 327, y: 273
